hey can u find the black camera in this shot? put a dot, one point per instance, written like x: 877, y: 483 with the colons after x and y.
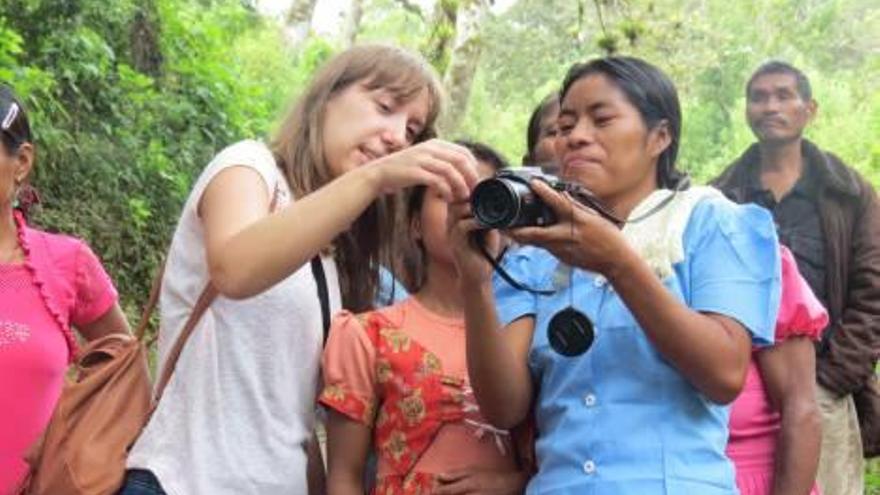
x: 507, y: 200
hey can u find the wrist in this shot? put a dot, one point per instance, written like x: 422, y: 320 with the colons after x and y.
x: 623, y: 267
x: 475, y: 287
x: 369, y: 176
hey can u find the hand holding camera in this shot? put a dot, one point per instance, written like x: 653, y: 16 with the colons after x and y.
x: 562, y: 217
x: 508, y: 200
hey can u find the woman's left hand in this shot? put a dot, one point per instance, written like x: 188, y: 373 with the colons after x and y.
x: 580, y: 237
x: 470, y: 481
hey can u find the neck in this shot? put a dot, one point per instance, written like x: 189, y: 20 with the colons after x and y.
x: 8, y: 234
x: 441, y: 293
x: 781, y: 157
x: 624, y: 204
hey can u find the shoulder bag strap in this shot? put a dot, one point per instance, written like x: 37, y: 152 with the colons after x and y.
x: 202, y: 303
x: 323, y: 294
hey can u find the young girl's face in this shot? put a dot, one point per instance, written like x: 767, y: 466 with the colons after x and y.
x: 363, y: 124
x: 432, y: 219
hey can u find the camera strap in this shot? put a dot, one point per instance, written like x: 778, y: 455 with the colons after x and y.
x: 496, y: 265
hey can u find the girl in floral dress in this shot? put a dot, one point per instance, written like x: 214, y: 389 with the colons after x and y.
x: 396, y: 381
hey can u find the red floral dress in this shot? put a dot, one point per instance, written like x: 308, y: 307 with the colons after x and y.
x: 377, y: 373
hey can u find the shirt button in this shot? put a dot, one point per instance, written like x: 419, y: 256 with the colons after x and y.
x: 589, y: 467
x: 599, y: 281
x: 590, y: 400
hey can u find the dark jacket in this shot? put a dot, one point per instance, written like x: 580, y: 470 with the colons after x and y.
x: 850, y: 216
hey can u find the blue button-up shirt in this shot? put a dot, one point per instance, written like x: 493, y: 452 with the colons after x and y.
x: 620, y: 419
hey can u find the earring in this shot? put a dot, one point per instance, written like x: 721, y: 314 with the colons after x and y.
x: 15, y: 201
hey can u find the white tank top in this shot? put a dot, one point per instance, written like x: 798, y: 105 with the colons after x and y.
x: 239, y: 409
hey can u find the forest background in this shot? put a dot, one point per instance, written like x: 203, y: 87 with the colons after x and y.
x: 129, y: 99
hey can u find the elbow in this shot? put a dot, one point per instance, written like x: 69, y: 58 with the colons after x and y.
x: 230, y: 281
x: 727, y: 388
x: 724, y: 397
x: 802, y: 416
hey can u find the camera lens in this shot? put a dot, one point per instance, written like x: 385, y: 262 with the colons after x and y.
x: 495, y: 203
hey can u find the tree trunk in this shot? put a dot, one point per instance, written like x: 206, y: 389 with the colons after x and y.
x: 298, y: 22
x: 352, y: 22
x: 146, y: 54
x: 459, y: 75
x: 436, y: 48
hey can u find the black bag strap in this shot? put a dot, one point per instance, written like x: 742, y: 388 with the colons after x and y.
x: 323, y: 294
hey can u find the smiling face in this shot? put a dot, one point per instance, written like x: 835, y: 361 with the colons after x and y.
x: 362, y: 124
x: 603, y: 142
x: 775, y: 110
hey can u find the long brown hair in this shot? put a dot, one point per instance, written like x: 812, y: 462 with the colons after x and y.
x: 299, y: 152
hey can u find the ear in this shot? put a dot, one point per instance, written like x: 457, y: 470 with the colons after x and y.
x: 812, y: 110
x: 415, y: 228
x: 659, y: 138
x: 24, y: 162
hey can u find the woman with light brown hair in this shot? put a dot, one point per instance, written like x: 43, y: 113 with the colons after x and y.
x: 237, y: 415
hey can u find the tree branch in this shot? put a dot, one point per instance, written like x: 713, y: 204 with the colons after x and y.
x: 412, y: 8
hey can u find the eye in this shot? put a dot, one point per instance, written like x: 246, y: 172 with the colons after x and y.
x: 603, y: 120
x: 384, y: 106
x: 758, y: 97
x: 565, y: 128
x: 411, y: 134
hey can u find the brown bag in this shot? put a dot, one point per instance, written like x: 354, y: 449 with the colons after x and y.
x: 102, y: 411
x: 99, y: 415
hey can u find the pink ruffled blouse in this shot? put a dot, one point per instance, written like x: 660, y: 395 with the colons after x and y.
x: 61, y: 283
x: 754, y: 423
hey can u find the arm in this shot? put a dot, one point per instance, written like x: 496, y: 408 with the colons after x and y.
x: 497, y: 358
x: 711, y: 351
x: 249, y: 250
x: 315, y: 467
x: 788, y: 371
x: 348, y: 444
x: 112, y: 321
x: 470, y: 481
x: 854, y: 343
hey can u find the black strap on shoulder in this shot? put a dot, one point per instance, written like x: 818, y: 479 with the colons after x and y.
x: 323, y: 294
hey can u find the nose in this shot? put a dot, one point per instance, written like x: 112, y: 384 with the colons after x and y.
x: 394, y: 135
x: 582, y: 134
x: 771, y: 105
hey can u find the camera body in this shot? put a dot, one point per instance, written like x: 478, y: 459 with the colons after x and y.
x: 506, y: 200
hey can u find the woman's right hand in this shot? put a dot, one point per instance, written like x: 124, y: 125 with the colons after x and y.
x: 464, y: 236
x: 446, y: 167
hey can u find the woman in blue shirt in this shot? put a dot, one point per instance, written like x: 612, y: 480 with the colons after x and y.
x: 676, y: 298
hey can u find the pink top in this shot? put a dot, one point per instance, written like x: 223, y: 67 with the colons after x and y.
x: 34, y: 345
x: 350, y: 362
x: 754, y: 423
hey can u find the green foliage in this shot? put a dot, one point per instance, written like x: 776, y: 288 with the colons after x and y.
x: 118, y: 149
x: 709, y: 48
